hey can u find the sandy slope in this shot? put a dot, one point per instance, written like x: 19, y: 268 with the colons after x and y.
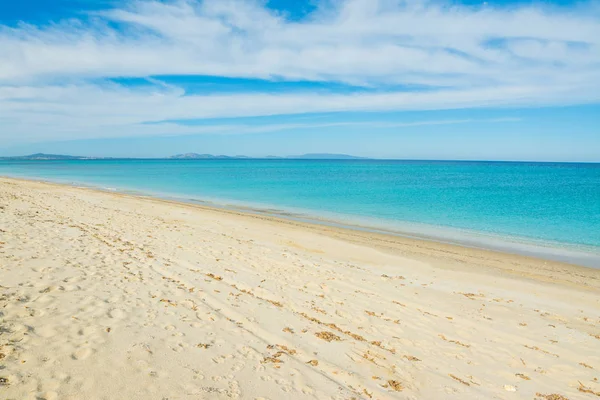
x: 105, y: 296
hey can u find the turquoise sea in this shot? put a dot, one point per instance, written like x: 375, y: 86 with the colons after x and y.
x: 550, y: 210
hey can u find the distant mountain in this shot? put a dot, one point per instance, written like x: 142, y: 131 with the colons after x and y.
x: 326, y: 156
x: 42, y: 156
x: 192, y: 156
x: 196, y: 156
x: 316, y: 156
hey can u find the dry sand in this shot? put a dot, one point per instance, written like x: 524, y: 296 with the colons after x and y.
x: 108, y: 296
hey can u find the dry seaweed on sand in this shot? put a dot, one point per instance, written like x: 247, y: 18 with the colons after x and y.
x: 394, y: 385
x: 275, y: 303
x: 552, y: 396
x: 456, y: 378
x: 328, y: 336
x: 215, y: 277
x: 584, y: 389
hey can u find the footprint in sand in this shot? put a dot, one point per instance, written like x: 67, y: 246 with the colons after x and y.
x: 47, y: 396
x: 116, y: 313
x: 88, y: 330
x: 45, y: 332
x: 44, y: 299
x: 82, y: 353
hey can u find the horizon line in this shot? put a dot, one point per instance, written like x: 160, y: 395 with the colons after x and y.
x: 223, y: 157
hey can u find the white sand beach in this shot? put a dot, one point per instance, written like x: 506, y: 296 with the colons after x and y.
x: 110, y: 296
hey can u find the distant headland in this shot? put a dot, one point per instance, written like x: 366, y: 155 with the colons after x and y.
x: 42, y: 156
x: 313, y: 156
x: 191, y: 156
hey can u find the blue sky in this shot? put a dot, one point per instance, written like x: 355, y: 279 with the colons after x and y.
x: 379, y: 78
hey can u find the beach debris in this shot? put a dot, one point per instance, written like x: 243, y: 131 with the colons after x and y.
x: 541, y: 350
x: 584, y: 389
x: 552, y: 396
x: 523, y: 376
x: 426, y: 313
x: 334, y: 327
x: 454, y: 341
x: 146, y: 347
x: 411, y: 358
x: 275, y: 303
x: 510, y: 388
x: 471, y: 296
x: 314, y: 363
x: 353, y: 335
x: 288, y: 330
x: 273, y: 359
x: 328, y: 336
x: 392, y: 277
x: 215, y: 277
x: 286, y: 349
x: 394, y: 385
x: 169, y: 302
x: 3, y: 381
x: 203, y: 345
x: 367, y: 356
x: 586, y: 365
x: 456, y: 378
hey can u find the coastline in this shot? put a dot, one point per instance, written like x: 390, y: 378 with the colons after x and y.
x: 113, y: 296
x: 584, y: 256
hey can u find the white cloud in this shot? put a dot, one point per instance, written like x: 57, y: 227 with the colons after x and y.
x: 51, y: 76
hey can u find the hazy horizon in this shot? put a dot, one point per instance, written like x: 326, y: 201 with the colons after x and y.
x: 291, y: 157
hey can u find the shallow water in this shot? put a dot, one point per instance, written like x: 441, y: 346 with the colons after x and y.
x: 555, y: 206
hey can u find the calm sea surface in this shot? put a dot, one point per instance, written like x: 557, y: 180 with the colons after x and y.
x: 551, y: 208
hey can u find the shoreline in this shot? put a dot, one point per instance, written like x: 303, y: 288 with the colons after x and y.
x: 572, y: 254
x: 424, y: 249
x: 111, y: 296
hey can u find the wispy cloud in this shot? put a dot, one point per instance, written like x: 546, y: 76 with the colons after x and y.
x: 53, y: 78
x: 79, y: 128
